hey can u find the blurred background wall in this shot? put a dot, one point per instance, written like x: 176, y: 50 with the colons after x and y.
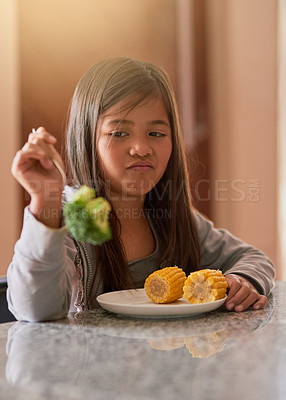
x: 222, y: 58
x: 10, y: 130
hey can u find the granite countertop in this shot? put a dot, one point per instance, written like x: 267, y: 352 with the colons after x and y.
x: 99, y: 355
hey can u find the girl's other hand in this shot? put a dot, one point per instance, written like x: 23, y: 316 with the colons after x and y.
x: 242, y: 294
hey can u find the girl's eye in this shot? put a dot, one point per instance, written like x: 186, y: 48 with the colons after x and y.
x: 156, y: 134
x: 118, y: 134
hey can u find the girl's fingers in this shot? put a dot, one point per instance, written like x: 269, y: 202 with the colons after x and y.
x: 42, y: 140
x: 41, y: 135
x: 242, y: 294
x: 28, y: 154
x: 234, y: 285
x: 37, y: 155
x: 38, y: 143
x: 247, y: 302
x: 260, y: 303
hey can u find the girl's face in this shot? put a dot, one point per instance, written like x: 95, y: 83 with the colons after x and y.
x: 134, y: 147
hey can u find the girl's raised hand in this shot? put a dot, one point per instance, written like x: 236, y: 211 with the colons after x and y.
x: 242, y: 294
x: 34, y: 169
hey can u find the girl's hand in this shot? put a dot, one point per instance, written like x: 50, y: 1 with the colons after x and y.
x: 34, y: 169
x: 242, y: 294
x: 33, y: 164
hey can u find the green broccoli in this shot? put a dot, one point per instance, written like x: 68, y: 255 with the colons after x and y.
x: 86, y: 217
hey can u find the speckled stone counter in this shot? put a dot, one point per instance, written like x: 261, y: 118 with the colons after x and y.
x: 98, y: 355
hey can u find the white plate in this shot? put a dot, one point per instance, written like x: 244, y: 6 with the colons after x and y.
x: 136, y: 303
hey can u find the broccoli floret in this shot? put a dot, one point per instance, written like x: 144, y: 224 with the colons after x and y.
x: 86, y: 217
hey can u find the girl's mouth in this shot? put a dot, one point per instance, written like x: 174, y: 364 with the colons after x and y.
x: 141, y: 166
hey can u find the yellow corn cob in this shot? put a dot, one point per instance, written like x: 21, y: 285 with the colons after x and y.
x: 204, y: 286
x: 165, y: 285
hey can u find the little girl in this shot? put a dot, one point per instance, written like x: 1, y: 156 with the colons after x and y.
x: 124, y: 140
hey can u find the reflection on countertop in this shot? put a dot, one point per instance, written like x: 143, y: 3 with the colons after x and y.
x: 202, y: 335
x: 98, y: 355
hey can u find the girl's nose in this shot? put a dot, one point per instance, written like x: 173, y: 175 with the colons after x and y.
x: 140, y: 148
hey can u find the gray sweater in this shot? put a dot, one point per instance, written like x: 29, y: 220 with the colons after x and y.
x: 50, y: 273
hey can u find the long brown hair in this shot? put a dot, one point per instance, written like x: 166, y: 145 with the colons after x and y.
x: 101, y: 87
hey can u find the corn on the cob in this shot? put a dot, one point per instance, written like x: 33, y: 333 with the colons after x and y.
x: 165, y: 285
x: 205, y: 286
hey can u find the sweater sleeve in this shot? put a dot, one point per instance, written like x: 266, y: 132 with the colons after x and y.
x: 221, y: 250
x: 41, y: 274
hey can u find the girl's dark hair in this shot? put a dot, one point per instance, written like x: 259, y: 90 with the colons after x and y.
x: 102, y: 86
